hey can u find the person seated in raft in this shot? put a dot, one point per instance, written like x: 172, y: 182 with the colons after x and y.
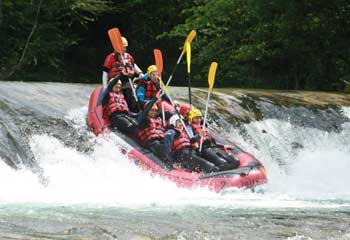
x: 117, y: 109
x: 210, y: 150
x: 179, y: 149
x: 150, y: 129
x: 148, y: 86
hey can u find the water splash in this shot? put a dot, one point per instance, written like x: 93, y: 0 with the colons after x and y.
x: 105, y: 176
x: 304, y: 163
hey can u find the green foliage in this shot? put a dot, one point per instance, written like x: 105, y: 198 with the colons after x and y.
x: 60, y: 26
x: 272, y: 43
x: 144, y: 24
x: 296, y: 44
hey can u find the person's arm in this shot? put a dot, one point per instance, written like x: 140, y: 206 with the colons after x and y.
x: 109, y: 88
x: 143, y: 115
x: 168, y: 142
x: 190, y: 131
x: 107, y: 66
x: 104, y: 79
x: 140, y: 94
x: 138, y: 71
x: 108, y: 62
x: 193, y: 137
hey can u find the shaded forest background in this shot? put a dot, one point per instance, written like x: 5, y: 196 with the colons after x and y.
x: 295, y: 44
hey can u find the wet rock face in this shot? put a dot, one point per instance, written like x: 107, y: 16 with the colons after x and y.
x: 27, y: 109
x: 306, y: 109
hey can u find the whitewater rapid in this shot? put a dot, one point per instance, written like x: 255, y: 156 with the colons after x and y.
x: 313, y: 174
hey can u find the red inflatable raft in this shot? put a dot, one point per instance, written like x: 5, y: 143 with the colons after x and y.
x: 249, y: 174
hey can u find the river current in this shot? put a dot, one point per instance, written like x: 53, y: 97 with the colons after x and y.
x: 59, y: 181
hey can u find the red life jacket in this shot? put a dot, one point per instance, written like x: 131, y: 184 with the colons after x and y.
x: 197, y: 128
x: 117, y: 103
x: 154, y: 131
x: 181, y: 141
x: 118, y: 66
x: 150, y: 88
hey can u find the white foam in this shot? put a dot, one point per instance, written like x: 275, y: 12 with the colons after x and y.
x: 316, y: 167
x: 316, y: 174
x: 346, y: 111
x: 78, y: 117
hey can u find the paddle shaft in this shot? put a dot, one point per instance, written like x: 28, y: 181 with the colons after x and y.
x: 211, y: 80
x: 159, y: 63
x: 188, y: 40
x: 174, y: 69
x: 189, y: 90
x: 204, y: 121
x: 177, y: 112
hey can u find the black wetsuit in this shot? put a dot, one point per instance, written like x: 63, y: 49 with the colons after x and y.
x: 219, y: 157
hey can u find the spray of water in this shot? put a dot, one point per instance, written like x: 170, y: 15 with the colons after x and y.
x: 301, y: 162
x: 315, y: 170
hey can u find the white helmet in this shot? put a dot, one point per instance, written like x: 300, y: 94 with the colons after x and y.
x: 173, y: 119
x: 125, y: 42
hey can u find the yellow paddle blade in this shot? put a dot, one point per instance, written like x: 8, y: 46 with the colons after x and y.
x: 211, y: 75
x: 116, y: 39
x: 188, y: 55
x: 189, y: 39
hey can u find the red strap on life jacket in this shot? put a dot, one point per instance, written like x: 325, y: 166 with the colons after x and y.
x: 181, y: 141
x: 154, y: 131
x: 117, y: 103
x: 118, y: 66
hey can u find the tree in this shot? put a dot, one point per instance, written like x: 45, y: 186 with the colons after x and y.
x: 35, y: 35
x: 271, y: 43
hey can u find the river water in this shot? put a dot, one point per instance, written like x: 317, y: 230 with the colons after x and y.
x: 59, y: 181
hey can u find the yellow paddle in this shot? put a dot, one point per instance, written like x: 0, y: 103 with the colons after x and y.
x: 189, y: 39
x: 211, y: 79
x: 188, y: 57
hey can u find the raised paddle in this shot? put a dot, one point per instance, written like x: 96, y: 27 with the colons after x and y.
x: 159, y: 63
x: 189, y: 39
x: 117, y: 43
x: 159, y: 60
x: 211, y: 79
x: 188, y: 57
x: 116, y: 39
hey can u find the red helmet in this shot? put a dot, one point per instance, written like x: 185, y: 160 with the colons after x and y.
x: 185, y: 109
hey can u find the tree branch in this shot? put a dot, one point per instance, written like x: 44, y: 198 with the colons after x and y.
x: 18, y: 65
